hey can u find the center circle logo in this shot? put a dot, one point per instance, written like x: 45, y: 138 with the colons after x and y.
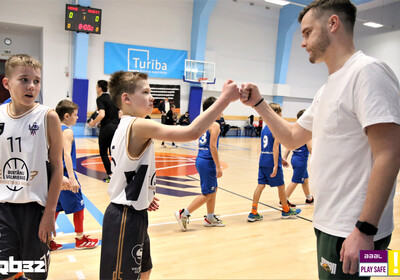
x: 137, y: 253
x: 15, y: 169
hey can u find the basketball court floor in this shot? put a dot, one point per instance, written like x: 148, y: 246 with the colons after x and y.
x: 274, y: 248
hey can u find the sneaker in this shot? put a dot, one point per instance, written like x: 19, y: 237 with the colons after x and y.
x: 290, y: 204
x: 292, y: 213
x: 183, y: 220
x: 55, y: 246
x: 163, y: 146
x: 174, y: 146
x: 254, y: 218
x: 85, y: 242
x: 311, y: 201
x: 215, y: 222
x: 107, y: 180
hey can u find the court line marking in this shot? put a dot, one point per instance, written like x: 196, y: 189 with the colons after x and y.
x: 71, y: 258
x: 80, y: 274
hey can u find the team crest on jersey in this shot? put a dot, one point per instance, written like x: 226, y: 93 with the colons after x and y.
x: 33, y: 128
x: 328, y: 266
x: 1, y: 128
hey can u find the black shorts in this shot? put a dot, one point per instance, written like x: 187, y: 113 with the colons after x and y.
x: 328, y: 254
x: 125, y: 250
x: 19, y: 228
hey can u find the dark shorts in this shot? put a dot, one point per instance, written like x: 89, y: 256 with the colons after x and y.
x: 125, y: 250
x: 328, y: 254
x: 70, y: 202
x: 208, y: 175
x: 299, y: 173
x: 19, y: 227
x: 264, y: 176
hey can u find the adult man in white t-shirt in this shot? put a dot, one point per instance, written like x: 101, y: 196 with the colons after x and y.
x: 354, y: 124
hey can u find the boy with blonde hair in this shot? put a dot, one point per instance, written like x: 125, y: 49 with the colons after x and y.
x: 31, y: 149
x: 133, y: 186
x: 270, y: 172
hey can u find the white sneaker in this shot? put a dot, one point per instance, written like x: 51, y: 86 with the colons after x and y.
x: 163, y: 146
x: 215, y: 222
x: 183, y: 220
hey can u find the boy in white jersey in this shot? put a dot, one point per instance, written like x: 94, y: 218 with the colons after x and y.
x: 29, y: 193
x: 209, y: 168
x: 125, y: 252
x: 354, y: 124
x: 270, y: 173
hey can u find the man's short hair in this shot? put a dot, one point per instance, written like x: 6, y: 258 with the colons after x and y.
x: 123, y: 81
x: 300, y: 113
x: 103, y: 85
x: 20, y: 60
x: 208, y: 102
x: 344, y: 9
x: 65, y: 107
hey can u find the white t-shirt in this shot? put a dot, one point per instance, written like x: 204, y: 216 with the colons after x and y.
x: 133, y: 182
x: 24, y: 155
x: 363, y: 92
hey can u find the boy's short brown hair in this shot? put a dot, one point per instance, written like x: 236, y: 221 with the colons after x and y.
x: 65, y: 107
x: 276, y: 107
x: 20, y: 60
x: 123, y: 81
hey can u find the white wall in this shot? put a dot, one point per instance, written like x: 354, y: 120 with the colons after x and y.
x: 48, y: 15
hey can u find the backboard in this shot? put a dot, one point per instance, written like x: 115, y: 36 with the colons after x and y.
x: 195, y: 71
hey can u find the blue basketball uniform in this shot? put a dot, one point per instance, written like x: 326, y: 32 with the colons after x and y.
x: 68, y: 201
x: 299, y: 164
x: 205, y: 165
x: 266, y: 162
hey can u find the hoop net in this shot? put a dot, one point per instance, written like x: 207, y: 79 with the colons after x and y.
x: 203, y: 82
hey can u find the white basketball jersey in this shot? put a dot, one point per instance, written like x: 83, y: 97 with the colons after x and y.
x: 24, y: 155
x: 133, y: 182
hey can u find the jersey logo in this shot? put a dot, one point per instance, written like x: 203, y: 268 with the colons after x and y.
x: 33, y: 128
x: 15, y: 170
x: 135, y: 182
x: 1, y: 128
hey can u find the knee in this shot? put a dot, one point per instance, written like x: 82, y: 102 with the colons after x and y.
x: 145, y: 275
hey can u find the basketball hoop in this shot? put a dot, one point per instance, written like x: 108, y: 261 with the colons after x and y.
x: 203, y: 82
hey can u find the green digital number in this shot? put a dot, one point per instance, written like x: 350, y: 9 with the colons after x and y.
x: 97, y: 18
x: 71, y: 14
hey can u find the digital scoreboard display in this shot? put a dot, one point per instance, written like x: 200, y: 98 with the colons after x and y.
x: 82, y: 19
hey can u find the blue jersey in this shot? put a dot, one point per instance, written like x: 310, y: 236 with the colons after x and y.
x: 267, y: 145
x: 73, y: 150
x: 300, y: 155
x: 204, y: 146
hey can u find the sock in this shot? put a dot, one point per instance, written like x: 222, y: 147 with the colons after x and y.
x: 285, y: 208
x: 78, y: 220
x: 186, y: 212
x: 79, y: 236
x: 16, y: 276
x: 210, y: 216
x: 254, y: 209
x: 309, y: 197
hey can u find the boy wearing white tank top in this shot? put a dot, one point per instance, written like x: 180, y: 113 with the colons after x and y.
x: 28, y: 191
x: 125, y: 252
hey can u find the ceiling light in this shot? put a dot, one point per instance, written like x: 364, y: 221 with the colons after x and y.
x: 278, y: 2
x: 373, y: 24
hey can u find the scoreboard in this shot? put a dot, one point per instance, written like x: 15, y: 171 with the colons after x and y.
x: 82, y: 19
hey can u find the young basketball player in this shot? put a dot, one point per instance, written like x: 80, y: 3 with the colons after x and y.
x: 30, y: 147
x: 132, y: 187
x: 299, y: 164
x: 209, y: 168
x: 270, y: 172
x: 71, y: 201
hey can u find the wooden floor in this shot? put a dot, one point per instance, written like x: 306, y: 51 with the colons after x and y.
x: 271, y: 249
